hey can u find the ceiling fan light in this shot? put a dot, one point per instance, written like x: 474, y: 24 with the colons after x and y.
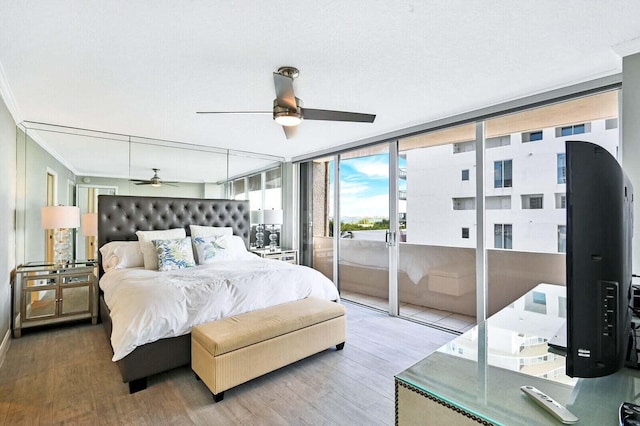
x: 288, y: 118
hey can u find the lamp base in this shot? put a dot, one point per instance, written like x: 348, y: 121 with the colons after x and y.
x: 61, y: 246
x: 273, y: 239
x: 259, y: 236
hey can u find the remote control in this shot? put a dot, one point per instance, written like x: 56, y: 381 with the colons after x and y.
x: 558, y: 411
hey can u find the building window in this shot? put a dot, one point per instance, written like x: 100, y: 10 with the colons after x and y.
x: 497, y: 141
x: 562, y: 168
x: 532, y: 201
x: 464, y: 147
x: 561, y: 200
x: 575, y: 129
x: 502, y: 174
x: 499, y: 202
x: 465, y: 174
x: 466, y: 203
x: 610, y: 123
x: 532, y: 136
x: 562, y: 238
x: 465, y: 232
x: 502, y: 236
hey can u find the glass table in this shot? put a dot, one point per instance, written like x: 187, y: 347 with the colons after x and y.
x: 476, y: 378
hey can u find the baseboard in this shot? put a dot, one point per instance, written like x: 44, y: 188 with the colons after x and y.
x: 4, y: 346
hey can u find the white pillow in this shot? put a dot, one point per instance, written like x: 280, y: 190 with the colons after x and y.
x: 238, y: 250
x: 174, y: 254
x: 121, y: 254
x: 146, y: 245
x: 210, y: 231
x: 211, y: 249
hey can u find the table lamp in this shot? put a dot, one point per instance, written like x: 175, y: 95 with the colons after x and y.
x: 257, y: 218
x: 61, y: 219
x: 273, y: 217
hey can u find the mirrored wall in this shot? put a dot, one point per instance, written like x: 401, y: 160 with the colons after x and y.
x: 60, y: 165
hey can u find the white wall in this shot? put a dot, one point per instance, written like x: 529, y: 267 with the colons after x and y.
x: 7, y: 223
x: 631, y: 139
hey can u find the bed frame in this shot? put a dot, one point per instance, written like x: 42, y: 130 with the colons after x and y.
x: 119, y: 217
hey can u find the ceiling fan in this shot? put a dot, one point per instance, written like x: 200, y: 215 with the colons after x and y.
x: 288, y: 111
x: 155, y: 180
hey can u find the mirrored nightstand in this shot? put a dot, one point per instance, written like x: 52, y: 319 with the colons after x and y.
x: 45, y: 293
x: 284, y: 255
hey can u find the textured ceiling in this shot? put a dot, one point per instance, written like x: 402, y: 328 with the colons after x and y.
x: 145, y: 68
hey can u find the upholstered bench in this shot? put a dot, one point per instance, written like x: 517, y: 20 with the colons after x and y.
x: 234, y: 350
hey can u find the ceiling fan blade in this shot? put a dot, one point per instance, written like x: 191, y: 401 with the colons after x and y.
x: 234, y: 112
x: 290, y: 131
x: 284, y: 91
x: 329, y: 115
x: 141, y: 182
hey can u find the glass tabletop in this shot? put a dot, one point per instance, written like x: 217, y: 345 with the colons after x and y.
x: 77, y: 263
x: 482, y: 370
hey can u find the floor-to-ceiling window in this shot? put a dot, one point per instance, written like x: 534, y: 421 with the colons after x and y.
x: 317, y: 226
x: 526, y: 237
x: 363, y: 217
x: 264, y: 192
x: 436, y: 266
x: 436, y: 200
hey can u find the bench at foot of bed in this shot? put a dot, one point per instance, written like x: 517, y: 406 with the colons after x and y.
x: 234, y: 350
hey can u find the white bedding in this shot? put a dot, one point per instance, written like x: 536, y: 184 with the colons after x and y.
x: 149, y: 305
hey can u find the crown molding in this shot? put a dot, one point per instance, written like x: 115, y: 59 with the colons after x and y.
x: 7, y: 96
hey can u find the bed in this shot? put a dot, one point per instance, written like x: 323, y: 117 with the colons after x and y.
x: 261, y: 282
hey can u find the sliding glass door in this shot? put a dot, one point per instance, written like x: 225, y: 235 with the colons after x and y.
x: 450, y: 225
x: 437, y: 221
x: 363, y: 218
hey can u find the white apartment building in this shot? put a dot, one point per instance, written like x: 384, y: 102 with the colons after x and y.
x: 524, y: 188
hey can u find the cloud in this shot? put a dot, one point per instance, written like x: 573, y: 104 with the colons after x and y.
x: 377, y: 205
x: 374, y: 167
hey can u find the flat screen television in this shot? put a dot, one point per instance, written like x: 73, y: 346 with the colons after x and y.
x: 599, y: 206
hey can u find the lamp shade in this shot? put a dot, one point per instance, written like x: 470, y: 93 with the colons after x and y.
x: 257, y: 216
x: 90, y: 224
x: 273, y: 217
x: 60, y: 217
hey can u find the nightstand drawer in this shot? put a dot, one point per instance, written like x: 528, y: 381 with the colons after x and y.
x: 289, y: 256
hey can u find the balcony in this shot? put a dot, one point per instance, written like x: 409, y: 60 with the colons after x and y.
x: 436, y: 284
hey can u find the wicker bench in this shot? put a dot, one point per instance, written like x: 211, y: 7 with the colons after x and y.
x: 234, y: 350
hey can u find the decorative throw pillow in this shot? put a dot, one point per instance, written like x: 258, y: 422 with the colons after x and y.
x: 211, y: 249
x: 149, y: 251
x: 174, y: 254
x: 121, y: 254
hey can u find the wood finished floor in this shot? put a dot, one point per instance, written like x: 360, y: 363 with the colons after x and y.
x: 65, y: 375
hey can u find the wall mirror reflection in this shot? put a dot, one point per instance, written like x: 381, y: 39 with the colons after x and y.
x: 72, y: 166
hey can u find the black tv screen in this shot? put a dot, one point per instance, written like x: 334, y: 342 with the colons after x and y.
x: 598, y: 259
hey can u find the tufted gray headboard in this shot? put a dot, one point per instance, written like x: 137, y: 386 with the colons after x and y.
x: 120, y: 216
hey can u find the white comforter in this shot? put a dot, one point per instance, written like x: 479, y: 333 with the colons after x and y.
x: 150, y: 305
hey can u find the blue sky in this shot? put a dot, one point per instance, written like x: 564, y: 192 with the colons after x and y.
x: 364, y: 186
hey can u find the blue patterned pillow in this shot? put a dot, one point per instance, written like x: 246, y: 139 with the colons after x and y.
x: 211, y: 249
x: 174, y: 254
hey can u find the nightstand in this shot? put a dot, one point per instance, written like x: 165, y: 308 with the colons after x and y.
x: 45, y: 293
x: 284, y: 255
